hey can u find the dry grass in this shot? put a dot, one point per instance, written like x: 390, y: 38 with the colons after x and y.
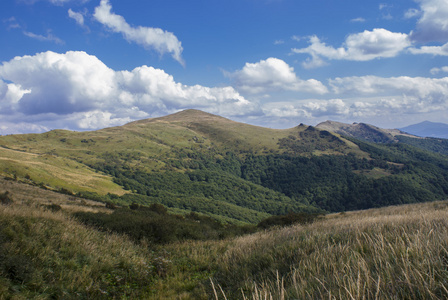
x: 55, y: 171
x: 25, y: 194
x: 47, y: 255
x: 389, y: 253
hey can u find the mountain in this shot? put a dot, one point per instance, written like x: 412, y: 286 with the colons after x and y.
x: 362, y: 131
x: 428, y: 129
x: 193, y: 161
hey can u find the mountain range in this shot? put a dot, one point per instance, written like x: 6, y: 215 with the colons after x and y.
x: 230, y: 171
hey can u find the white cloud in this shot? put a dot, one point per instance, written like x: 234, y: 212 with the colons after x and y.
x: 48, y: 38
x: 435, y: 71
x: 307, y: 109
x: 78, y: 17
x: 364, y: 46
x: 358, y: 20
x: 77, y: 91
x: 412, y: 13
x: 433, y: 24
x: 20, y: 128
x: 153, y: 38
x: 273, y: 74
x: 411, y: 94
x: 432, y: 50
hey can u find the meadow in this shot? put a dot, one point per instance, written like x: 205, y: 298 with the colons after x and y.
x: 396, y: 252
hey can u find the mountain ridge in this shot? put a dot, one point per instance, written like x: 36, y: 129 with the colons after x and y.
x: 234, y: 172
x: 363, y: 131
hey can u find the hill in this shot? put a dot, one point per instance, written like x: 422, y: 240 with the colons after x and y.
x: 193, y: 161
x: 428, y: 129
x: 370, y: 133
x: 362, y: 131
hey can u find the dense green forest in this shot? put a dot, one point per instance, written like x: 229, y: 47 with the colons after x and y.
x: 251, y: 187
x: 431, y: 144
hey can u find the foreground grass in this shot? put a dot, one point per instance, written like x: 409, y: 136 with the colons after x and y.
x: 389, y: 253
x: 46, y: 255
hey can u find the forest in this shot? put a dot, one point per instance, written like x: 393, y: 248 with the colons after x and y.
x: 249, y: 188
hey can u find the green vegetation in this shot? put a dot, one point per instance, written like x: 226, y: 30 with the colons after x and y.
x: 430, y: 144
x: 236, y: 173
x: 388, y: 253
x: 156, y: 226
x: 46, y: 255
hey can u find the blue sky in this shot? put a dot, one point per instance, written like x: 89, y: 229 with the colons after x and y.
x: 90, y: 64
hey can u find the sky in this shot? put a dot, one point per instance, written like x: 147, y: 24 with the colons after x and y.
x: 90, y: 64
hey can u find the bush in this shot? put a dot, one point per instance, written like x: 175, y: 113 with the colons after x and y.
x: 156, y: 225
x: 289, y: 219
x: 5, y: 198
x: 110, y: 205
x: 53, y: 207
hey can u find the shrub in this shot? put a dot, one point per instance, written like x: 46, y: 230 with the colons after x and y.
x: 5, y: 198
x: 110, y: 205
x: 289, y: 219
x: 53, y: 207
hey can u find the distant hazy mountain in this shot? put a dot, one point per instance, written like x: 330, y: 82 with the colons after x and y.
x: 428, y: 129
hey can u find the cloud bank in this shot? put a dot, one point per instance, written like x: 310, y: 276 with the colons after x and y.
x: 77, y: 91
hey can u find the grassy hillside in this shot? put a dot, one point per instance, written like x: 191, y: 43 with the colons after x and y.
x: 398, y: 252
x: 193, y: 161
x: 46, y: 254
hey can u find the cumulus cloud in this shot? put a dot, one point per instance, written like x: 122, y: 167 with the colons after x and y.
x: 400, y: 94
x: 432, y: 50
x: 364, y: 46
x: 273, y: 74
x: 433, y: 23
x: 151, y: 38
x: 77, y: 91
x: 367, y: 98
x: 307, y: 109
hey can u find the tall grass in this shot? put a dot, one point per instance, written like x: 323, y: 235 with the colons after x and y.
x: 48, y: 255
x: 396, y: 252
x: 391, y: 253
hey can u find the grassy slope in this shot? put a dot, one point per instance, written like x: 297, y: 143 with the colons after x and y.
x: 148, y: 142
x: 389, y: 253
x: 61, y: 159
x: 48, y: 255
